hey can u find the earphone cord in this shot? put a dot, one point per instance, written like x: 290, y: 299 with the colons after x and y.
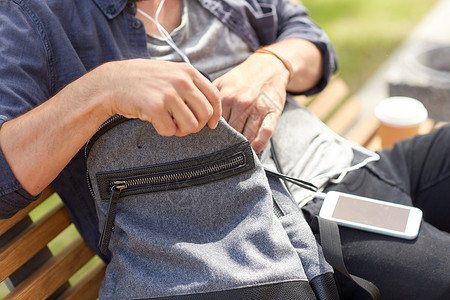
x: 165, y: 35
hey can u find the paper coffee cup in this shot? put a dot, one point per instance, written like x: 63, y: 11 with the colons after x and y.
x: 400, y: 118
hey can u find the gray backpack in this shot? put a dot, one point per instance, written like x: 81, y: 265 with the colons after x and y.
x: 198, y: 217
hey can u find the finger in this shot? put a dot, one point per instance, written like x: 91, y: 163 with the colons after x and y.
x: 265, y: 132
x: 217, y: 110
x: 212, y: 96
x: 238, y: 116
x: 200, y: 107
x: 226, y: 107
x: 186, y: 122
x: 226, y: 101
x: 226, y: 111
x: 253, y: 124
x: 165, y: 124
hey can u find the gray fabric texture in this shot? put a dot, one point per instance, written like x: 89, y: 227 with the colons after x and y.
x: 202, y: 238
x: 294, y: 223
x: 306, y: 148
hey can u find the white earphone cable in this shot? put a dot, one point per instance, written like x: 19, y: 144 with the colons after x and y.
x: 165, y: 35
x: 371, y: 156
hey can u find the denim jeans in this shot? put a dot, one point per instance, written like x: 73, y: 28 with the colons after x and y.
x: 414, y: 172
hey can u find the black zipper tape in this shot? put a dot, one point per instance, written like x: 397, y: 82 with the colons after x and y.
x: 107, y: 125
x: 178, y: 174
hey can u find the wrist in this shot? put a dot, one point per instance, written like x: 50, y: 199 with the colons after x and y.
x: 98, y: 92
x: 285, y: 62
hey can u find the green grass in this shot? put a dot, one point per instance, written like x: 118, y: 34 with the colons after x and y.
x: 66, y: 236
x: 3, y: 290
x: 365, y: 33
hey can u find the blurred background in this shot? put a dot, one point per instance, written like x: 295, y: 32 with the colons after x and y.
x: 365, y: 33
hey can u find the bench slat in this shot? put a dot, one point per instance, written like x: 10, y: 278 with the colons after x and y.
x: 88, y: 286
x: 374, y: 144
x: 302, y: 99
x: 426, y: 127
x: 54, y: 273
x: 364, y: 131
x: 440, y: 124
x: 329, y: 99
x: 18, y: 251
x: 345, y: 117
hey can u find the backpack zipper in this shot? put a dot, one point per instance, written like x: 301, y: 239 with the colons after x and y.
x: 107, y: 125
x: 233, y: 162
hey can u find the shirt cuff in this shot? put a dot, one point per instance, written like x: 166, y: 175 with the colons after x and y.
x: 330, y: 67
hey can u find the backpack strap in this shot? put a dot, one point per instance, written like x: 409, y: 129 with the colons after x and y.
x: 331, y: 247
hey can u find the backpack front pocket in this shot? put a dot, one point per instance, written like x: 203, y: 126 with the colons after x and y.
x: 163, y: 177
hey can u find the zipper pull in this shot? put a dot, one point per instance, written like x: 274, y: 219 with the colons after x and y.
x: 108, y: 226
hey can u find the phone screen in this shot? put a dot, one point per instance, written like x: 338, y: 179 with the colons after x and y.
x: 369, y: 213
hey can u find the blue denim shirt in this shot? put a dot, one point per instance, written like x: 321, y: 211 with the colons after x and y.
x: 46, y: 44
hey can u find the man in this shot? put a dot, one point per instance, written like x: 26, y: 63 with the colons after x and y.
x: 68, y: 67
x: 51, y: 72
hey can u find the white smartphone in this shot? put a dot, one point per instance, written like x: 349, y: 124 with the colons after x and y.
x: 372, y: 215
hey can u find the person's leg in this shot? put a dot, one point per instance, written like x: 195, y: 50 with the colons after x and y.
x: 402, y: 269
x: 424, y: 163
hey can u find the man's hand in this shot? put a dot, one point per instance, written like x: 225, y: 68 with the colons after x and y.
x: 253, y: 96
x: 174, y: 97
x: 254, y: 93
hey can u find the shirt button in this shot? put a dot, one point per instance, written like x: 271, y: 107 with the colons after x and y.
x: 111, y: 9
x: 137, y: 24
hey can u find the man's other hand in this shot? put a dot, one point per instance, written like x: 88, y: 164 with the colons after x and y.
x: 253, y: 96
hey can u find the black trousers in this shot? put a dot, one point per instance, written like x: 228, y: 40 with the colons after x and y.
x: 414, y: 172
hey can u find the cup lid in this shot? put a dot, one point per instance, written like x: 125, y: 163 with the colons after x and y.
x: 401, y: 111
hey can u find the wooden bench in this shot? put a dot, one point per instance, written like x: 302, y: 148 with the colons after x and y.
x: 32, y: 271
